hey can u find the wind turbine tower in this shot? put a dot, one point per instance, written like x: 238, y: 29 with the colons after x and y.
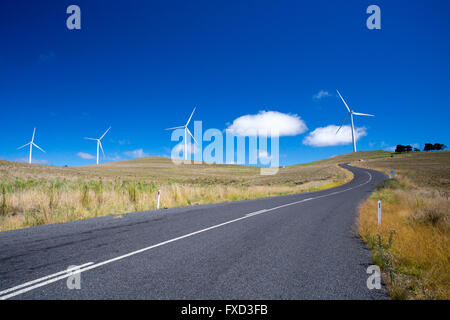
x: 351, y: 113
x: 31, y: 144
x: 99, y: 143
x: 186, y: 131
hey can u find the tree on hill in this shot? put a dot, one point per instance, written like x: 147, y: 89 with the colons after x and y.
x: 400, y: 148
x: 439, y: 146
x: 428, y: 147
x: 436, y: 146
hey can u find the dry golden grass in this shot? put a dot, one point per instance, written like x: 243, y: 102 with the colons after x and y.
x: 36, y: 206
x: 412, y: 245
x: 163, y: 170
x: 34, y: 194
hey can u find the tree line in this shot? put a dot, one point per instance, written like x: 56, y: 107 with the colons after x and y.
x: 428, y: 147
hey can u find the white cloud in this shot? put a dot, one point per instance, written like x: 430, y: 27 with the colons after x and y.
x: 138, y: 153
x: 264, y: 156
x: 326, y: 136
x: 321, y: 94
x: 113, y: 157
x: 123, y: 142
x: 85, y: 156
x: 262, y: 123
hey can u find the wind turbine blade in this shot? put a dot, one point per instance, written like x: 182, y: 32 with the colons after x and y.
x: 343, y: 101
x: 190, y: 117
x: 100, y: 143
x: 104, y: 134
x: 38, y: 147
x: 363, y: 114
x: 24, y: 146
x: 174, y: 128
x: 343, y: 123
x: 191, y: 135
x: 91, y: 139
x: 32, y: 138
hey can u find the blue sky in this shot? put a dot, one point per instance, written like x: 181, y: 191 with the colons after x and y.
x: 141, y: 66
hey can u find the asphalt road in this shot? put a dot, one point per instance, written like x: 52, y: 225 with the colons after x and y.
x: 302, y: 246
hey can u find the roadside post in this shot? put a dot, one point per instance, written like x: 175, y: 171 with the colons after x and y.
x: 379, y: 212
x: 157, y: 202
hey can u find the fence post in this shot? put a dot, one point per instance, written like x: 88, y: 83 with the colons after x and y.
x: 379, y: 212
x: 157, y: 203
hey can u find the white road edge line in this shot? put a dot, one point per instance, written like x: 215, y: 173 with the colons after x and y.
x: 44, y: 278
x: 89, y: 266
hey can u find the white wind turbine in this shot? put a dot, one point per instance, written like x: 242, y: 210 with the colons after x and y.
x: 351, y: 113
x: 186, y: 130
x: 31, y: 144
x: 99, y: 143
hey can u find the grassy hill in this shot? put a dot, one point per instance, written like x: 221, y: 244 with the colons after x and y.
x: 351, y: 157
x: 412, y: 245
x: 430, y: 169
x: 163, y: 170
x: 40, y: 194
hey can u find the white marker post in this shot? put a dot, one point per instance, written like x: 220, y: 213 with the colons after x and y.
x: 379, y: 212
x: 157, y: 203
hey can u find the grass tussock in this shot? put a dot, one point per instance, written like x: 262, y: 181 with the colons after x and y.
x: 412, y: 245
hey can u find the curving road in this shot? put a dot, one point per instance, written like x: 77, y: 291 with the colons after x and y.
x: 302, y: 246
